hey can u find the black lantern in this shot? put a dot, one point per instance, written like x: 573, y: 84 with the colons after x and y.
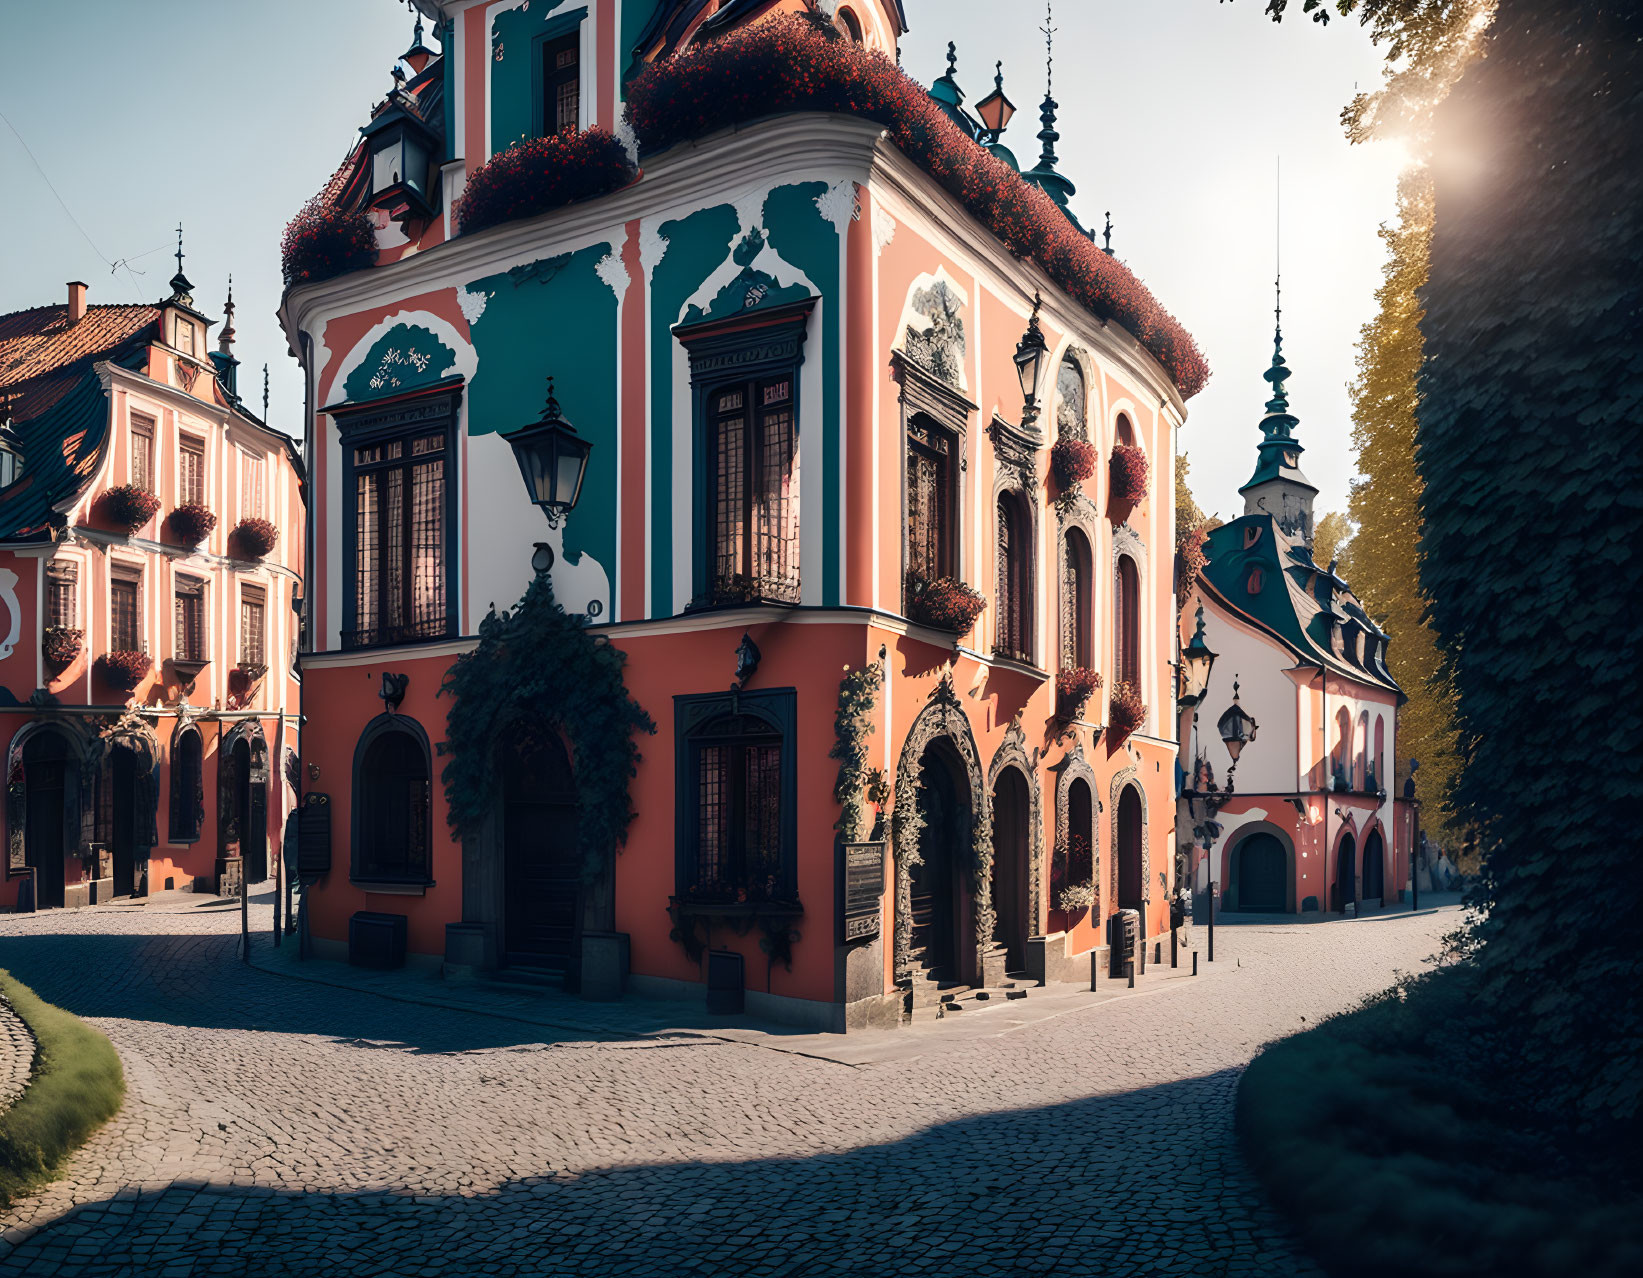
x: 1031, y: 358
x: 402, y: 150
x: 1236, y: 727
x: 1196, y: 662
x: 995, y: 109
x: 552, y: 458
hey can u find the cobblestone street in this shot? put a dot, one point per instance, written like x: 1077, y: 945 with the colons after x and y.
x: 282, y: 1127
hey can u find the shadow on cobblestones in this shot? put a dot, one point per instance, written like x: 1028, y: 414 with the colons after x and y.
x: 1103, y: 1185
x: 199, y: 981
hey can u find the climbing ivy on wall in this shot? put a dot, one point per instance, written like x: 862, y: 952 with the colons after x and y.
x: 852, y: 725
x: 537, y: 670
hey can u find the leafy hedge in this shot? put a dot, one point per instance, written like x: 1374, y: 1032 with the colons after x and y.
x: 1530, y: 419
x: 75, y: 1087
x: 785, y: 65
x: 1396, y: 1151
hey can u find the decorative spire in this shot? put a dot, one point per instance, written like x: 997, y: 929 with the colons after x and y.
x: 182, y: 289
x: 265, y: 392
x: 1278, y: 419
x: 952, y: 59
x: 1045, y: 175
x: 1107, y: 235
x: 551, y: 412
x: 225, y: 343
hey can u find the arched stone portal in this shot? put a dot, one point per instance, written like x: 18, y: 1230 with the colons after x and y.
x: 1260, y: 874
x: 1374, y: 869
x: 1346, y: 873
x: 1011, y: 852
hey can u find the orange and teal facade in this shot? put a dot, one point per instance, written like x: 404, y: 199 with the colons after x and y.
x: 878, y: 513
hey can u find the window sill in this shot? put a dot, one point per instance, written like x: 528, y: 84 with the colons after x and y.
x: 391, y: 887
x: 739, y: 909
x: 1001, y: 662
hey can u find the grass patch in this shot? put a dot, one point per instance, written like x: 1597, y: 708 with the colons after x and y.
x: 76, y: 1086
x: 1393, y: 1147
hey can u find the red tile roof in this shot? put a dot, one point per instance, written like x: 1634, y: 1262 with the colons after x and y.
x: 42, y: 355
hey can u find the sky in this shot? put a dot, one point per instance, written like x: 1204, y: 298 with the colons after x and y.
x: 226, y: 115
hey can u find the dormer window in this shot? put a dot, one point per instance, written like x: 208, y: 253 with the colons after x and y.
x: 183, y: 338
x: 1252, y: 534
x: 11, y: 457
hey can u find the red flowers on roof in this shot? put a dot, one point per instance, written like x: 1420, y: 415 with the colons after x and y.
x: 324, y: 240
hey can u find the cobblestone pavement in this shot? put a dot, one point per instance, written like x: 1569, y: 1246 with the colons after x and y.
x: 279, y: 1127
x: 16, y: 1054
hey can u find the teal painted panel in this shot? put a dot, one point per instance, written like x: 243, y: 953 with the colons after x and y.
x: 697, y: 244
x: 513, y: 64
x: 403, y: 358
x: 554, y: 316
x: 751, y: 289
x: 803, y: 237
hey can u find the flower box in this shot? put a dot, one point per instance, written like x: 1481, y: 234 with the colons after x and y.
x: 1125, y: 710
x: 538, y: 175
x: 124, y: 669
x: 1073, y: 688
x: 943, y: 604
x: 323, y: 241
x: 60, y: 645
x: 784, y: 65
x: 192, y: 523
x: 129, y: 507
x: 1072, y: 461
x: 256, y: 537
x: 1129, y: 473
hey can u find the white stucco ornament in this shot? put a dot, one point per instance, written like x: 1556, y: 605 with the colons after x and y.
x: 615, y: 275
x: 14, y: 612
x: 472, y: 304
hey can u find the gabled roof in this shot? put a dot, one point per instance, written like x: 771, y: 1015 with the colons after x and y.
x: 1299, y: 602
x: 42, y: 355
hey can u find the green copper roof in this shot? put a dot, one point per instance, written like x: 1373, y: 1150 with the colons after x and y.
x: 1278, y: 455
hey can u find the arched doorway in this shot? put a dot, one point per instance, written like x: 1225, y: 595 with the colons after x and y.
x: 542, y: 861
x: 1346, y: 873
x: 119, y: 810
x: 1131, y: 888
x: 1373, y: 871
x: 242, y: 799
x: 46, y: 766
x: 944, y: 838
x: 1010, y: 854
x: 1263, y: 873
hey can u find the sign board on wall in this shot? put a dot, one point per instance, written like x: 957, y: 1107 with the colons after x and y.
x: 863, y: 865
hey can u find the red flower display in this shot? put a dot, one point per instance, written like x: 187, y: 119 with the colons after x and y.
x: 944, y: 604
x: 1129, y: 473
x: 1072, y: 461
x: 129, y: 506
x: 1190, y: 560
x: 323, y: 241
x: 540, y: 174
x: 192, y: 523
x: 783, y: 65
x: 61, y: 645
x: 124, y: 670
x: 1073, y: 688
x: 1126, y: 712
x: 256, y: 537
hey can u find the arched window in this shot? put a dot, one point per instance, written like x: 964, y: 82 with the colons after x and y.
x: 1361, y: 775
x: 1124, y: 432
x: 1377, y: 765
x: 391, y: 804
x: 737, y: 854
x: 1071, y: 401
x: 187, y: 786
x: 850, y: 26
x: 932, y: 499
x: 1126, y: 616
x: 1077, y: 602
x: 1080, y: 833
x: 1014, y: 602
x: 1342, y: 758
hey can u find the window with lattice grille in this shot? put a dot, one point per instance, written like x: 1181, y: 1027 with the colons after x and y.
x: 190, y: 472
x: 190, y: 616
x: 253, y: 626
x: 754, y: 481
x: 142, y: 451
x: 125, y: 632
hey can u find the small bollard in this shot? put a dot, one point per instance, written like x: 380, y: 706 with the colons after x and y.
x: 1173, y: 933
x: 1212, y: 921
x: 1195, y: 962
x: 1141, y: 952
x: 1157, y: 953
x: 1095, y: 965
x: 1129, y: 971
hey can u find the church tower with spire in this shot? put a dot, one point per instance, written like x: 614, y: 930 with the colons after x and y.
x: 1278, y: 487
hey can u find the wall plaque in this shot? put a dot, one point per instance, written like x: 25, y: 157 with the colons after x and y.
x: 863, y: 889
x: 314, y: 837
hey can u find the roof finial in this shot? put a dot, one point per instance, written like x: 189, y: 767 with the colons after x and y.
x: 952, y: 58
x: 181, y: 287
x: 1107, y: 235
x: 226, y: 341
x: 179, y: 248
x: 550, y: 413
x: 1278, y: 373
x: 998, y: 80
x: 1049, y: 29
x: 265, y: 392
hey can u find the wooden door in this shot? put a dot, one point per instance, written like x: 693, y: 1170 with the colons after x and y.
x: 1262, y: 870
x: 542, y: 858
x: 932, y: 879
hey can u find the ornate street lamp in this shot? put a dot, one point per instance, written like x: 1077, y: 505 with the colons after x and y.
x: 1032, y: 357
x: 402, y: 150
x: 995, y: 109
x: 1237, y: 728
x: 1196, y: 663
x: 553, y: 459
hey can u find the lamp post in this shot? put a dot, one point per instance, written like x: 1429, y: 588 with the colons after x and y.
x: 1032, y: 356
x: 1238, y: 729
x: 553, y: 459
x: 1197, y: 660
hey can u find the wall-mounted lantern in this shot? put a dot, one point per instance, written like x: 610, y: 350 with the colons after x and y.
x: 1196, y: 662
x: 552, y: 459
x: 402, y: 150
x: 1236, y: 726
x: 1032, y: 357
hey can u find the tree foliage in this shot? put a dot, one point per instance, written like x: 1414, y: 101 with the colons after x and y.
x: 1331, y: 535
x: 1531, y: 416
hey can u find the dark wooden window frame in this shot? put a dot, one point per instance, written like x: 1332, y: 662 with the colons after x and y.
x: 693, y: 715
x: 126, y: 575
x: 759, y: 346
x: 1016, y: 558
x: 561, y: 27
x: 192, y: 445
x: 428, y: 411
x: 63, y: 594
x: 927, y: 403
x: 1077, y: 601
x: 1127, y: 627
x: 188, y: 595
x: 379, y: 728
x: 187, y: 801
x: 253, y: 597
x: 143, y: 430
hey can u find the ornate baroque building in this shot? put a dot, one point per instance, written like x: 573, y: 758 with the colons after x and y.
x: 1303, y: 817
x: 150, y: 544
x: 822, y: 396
